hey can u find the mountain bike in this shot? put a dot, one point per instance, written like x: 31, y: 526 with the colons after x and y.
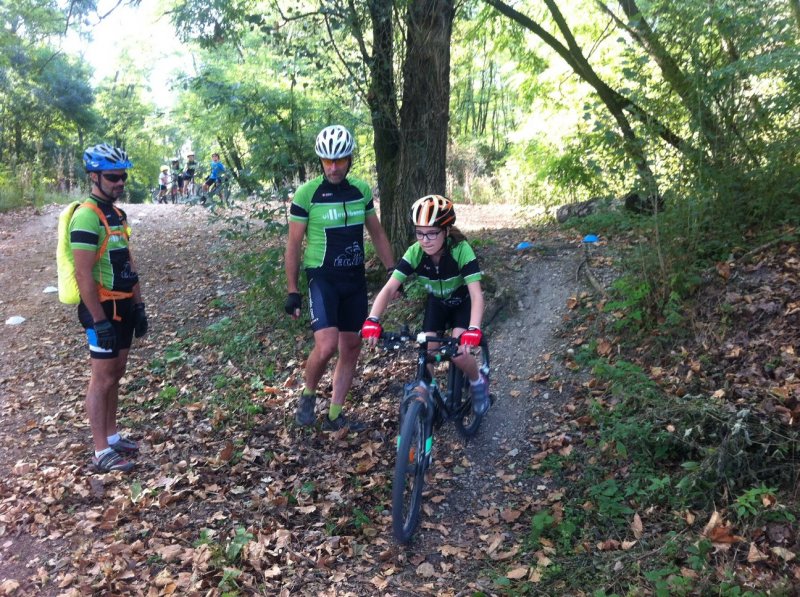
x: 190, y: 188
x: 425, y: 407
x: 219, y: 193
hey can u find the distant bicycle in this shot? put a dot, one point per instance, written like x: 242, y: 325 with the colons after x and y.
x: 424, y: 407
x: 219, y: 194
x: 190, y: 188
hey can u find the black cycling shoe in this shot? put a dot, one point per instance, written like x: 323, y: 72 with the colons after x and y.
x: 305, y: 410
x: 341, y: 422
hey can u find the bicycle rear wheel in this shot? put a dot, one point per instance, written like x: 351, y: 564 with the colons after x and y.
x: 409, y: 472
x: 467, y: 422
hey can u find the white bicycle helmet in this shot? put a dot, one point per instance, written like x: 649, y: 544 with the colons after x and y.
x: 334, y: 142
x: 433, y: 210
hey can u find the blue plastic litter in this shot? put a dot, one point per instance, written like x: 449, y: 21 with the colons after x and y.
x: 590, y: 238
x: 524, y: 245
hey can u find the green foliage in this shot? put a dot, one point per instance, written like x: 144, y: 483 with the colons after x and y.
x: 360, y: 518
x: 234, y: 548
x: 168, y: 394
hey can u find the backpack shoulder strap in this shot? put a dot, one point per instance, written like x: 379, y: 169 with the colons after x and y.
x: 104, y: 221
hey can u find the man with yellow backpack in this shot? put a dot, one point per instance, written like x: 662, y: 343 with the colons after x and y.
x: 111, y: 309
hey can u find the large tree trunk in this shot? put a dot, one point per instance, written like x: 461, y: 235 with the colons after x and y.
x: 424, y: 113
x: 382, y: 101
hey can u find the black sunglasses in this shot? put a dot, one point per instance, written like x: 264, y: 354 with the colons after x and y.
x: 115, y: 177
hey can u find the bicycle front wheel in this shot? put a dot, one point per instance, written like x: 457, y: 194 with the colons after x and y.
x: 467, y: 422
x: 409, y: 472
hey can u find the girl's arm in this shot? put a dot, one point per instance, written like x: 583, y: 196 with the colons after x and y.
x: 476, y: 311
x: 384, y: 297
x: 371, y: 330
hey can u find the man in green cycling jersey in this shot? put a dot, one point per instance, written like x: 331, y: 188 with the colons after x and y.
x: 111, y: 309
x: 332, y: 211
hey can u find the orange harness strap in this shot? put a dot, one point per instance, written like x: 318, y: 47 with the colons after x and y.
x: 104, y: 293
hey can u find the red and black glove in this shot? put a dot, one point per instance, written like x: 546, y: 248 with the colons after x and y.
x: 472, y: 337
x: 371, y: 328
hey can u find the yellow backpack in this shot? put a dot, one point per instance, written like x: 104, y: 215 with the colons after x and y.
x: 68, y: 292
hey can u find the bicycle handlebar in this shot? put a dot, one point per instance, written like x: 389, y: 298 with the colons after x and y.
x: 448, y: 346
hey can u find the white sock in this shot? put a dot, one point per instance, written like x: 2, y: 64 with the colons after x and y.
x: 477, y: 381
x: 113, y: 439
x: 102, y: 453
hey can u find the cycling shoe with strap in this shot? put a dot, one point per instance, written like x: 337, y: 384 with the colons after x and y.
x: 111, y: 461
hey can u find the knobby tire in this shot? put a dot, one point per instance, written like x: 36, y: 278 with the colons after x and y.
x: 409, y: 473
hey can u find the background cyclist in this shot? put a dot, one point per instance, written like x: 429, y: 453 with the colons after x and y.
x: 446, y: 265
x: 188, y: 173
x: 163, y: 181
x: 215, y: 176
x: 176, y: 179
x: 332, y: 211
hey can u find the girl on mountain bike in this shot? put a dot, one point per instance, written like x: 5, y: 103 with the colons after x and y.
x: 446, y: 265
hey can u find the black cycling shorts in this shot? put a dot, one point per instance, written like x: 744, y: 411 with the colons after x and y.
x: 123, y: 329
x: 445, y: 315
x: 337, y: 300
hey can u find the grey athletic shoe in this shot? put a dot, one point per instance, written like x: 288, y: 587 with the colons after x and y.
x: 480, y: 396
x: 125, y: 447
x: 305, y: 410
x: 341, y: 422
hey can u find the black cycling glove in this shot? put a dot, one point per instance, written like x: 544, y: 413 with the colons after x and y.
x: 292, y: 303
x: 139, y: 320
x: 106, y: 336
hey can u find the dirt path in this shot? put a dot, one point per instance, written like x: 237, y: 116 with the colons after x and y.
x: 44, y: 435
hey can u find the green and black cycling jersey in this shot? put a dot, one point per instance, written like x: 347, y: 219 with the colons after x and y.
x: 457, y: 267
x: 334, y: 216
x: 114, y: 269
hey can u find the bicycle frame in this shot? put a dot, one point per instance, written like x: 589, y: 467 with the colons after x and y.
x: 447, y: 348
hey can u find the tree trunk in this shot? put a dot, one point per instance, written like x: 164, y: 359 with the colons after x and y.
x: 382, y: 101
x: 795, y: 5
x: 424, y: 113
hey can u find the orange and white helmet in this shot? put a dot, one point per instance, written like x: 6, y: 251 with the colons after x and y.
x: 433, y: 210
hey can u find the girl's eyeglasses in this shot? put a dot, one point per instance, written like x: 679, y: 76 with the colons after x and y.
x: 115, y: 177
x: 427, y: 235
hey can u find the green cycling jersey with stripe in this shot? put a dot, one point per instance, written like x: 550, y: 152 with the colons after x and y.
x: 334, y: 216
x: 446, y: 280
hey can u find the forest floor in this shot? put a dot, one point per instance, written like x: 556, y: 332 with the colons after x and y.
x: 237, y: 498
